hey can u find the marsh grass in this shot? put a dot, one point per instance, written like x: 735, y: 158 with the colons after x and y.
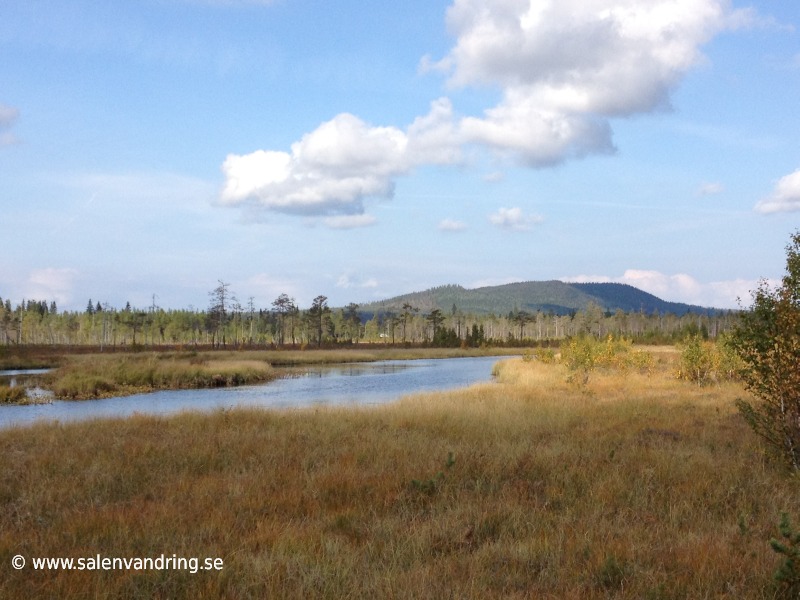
x: 88, y: 376
x: 634, y: 486
x: 12, y: 394
x: 282, y: 358
x: 97, y: 375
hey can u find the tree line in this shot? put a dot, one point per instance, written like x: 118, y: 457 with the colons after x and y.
x: 227, y: 322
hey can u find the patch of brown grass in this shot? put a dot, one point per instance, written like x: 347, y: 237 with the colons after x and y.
x: 629, y: 487
x: 12, y: 394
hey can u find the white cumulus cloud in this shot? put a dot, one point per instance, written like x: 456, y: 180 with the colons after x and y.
x: 680, y: 287
x: 538, y: 137
x: 566, y: 66
x: 333, y: 169
x: 785, y: 197
x: 599, y: 56
x: 563, y: 70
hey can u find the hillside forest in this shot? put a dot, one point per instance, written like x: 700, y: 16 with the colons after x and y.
x: 229, y: 323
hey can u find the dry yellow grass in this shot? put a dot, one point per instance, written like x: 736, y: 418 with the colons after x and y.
x: 530, y: 487
x: 102, y: 375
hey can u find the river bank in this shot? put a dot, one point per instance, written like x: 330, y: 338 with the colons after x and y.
x: 354, y: 384
x: 44, y: 356
x: 83, y: 376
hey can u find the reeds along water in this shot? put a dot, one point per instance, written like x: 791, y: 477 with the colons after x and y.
x: 85, y: 377
x: 12, y: 394
x: 100, y: 375
x: 633, y: 486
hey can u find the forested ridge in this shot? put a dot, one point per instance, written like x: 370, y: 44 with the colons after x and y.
x: 557, y: 297
x: 531, y: 312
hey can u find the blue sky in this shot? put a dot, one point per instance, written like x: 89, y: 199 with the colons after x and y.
x: 363, y: 150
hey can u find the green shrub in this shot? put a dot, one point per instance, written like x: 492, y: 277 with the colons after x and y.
x: 642, y: 361
x: 545, y: 355
x: 704, y: 362
x: 767, y: 340
x: 580, y: 355
x: 698, y: 360
x: 583, y: 354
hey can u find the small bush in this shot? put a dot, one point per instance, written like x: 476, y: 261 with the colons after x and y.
x: 729, y: 364
x: 613, y: 353
x: 642, y: 361
x: 704, y: 362
x: 697, y: 361
x: 545, y: 355
x: 582, y: 355
x: 542, y: 355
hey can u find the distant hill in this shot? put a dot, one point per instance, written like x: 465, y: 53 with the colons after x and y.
x: 555, y: 297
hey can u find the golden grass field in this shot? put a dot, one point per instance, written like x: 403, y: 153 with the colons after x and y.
x: 631, y: 486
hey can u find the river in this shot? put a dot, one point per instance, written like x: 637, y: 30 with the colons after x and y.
x: 351, y: 385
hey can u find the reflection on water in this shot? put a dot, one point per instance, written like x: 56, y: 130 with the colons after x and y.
x: 28, y: 378
x: 351, y: 384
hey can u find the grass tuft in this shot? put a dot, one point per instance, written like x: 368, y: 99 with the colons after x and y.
x: 98, y: 376
x: 12, y: 394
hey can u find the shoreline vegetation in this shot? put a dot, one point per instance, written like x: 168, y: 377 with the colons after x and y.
x: 87, y: 376
x: 93, y: 376
x: 633, y: 484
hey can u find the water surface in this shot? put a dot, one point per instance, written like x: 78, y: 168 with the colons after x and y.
x: 351, y: 384
x: 14, y: 377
